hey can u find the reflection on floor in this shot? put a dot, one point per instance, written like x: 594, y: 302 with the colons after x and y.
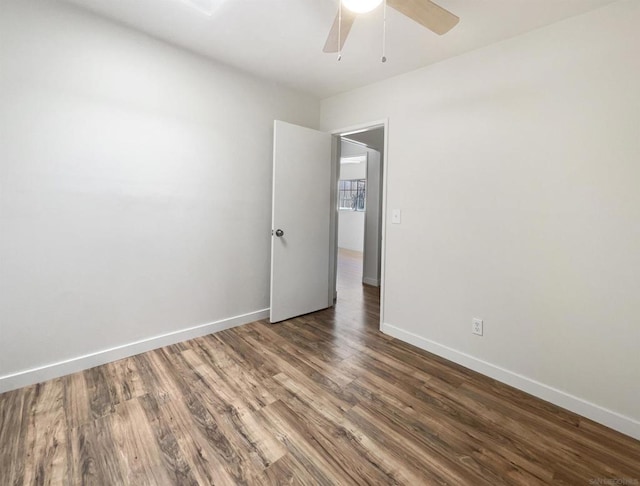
x: 360, y: 301
x: 349, y: 268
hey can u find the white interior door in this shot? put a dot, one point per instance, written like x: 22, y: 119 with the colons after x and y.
x: 300, y: 241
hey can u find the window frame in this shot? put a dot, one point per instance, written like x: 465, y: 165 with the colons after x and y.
x: 356, y: 192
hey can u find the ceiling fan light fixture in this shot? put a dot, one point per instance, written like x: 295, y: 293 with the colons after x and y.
x: 361, y: 6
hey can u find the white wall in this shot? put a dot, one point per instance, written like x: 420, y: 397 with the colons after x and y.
x: 351, y: 230
x: 516, y: 167
x: 135, y: 189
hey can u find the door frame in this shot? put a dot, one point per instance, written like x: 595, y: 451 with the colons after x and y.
x: 335, y: 175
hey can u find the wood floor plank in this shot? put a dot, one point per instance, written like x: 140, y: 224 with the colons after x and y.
x: 302, y: 371
x: 208, y: 411
x: 47, y: 436
x: 567, y: 441
x: 175, y: 463
x: 76, y: 400
x: 287, y: 427
x: 127, y: 379
x: 15, y: 408
x: 441, y: 435
x: 95, y: 455
x: 199, y: 449
x: 338, y: 443
x: 246, y: 385
x: 100, y: 391
x: 140, y: 455
x: 239, y: 423
x: 459, y: 426
x: 288, y: 471
x: 326, y: 367
x: 420, y: 463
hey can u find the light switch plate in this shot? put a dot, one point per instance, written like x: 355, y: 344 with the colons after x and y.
x: 396, y: 216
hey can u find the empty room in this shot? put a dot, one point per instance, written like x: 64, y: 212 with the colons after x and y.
x: 319, y: 242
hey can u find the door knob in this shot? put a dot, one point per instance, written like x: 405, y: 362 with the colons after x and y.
x: 279, y: 233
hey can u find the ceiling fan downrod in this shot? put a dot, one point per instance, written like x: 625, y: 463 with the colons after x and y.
x: 384, y: 31
x: 340, y: 31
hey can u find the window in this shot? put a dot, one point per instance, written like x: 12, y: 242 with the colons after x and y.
x: 351, y: 194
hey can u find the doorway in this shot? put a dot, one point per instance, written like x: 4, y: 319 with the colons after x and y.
x: 359, y: 215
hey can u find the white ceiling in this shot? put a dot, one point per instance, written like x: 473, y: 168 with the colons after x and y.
x: 282, y: 40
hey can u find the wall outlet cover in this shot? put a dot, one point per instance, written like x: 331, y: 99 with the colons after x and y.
x: 477, y: 326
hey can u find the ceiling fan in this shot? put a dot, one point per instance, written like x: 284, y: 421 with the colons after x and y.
x: 425, y: 12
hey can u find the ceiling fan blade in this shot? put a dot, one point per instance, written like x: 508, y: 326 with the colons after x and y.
x: 426, y: 13
x: 342, y: 32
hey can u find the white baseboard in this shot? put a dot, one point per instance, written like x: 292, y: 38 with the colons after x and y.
x: 371, y: 281
x: 614, y: 420
x: 73, y: 365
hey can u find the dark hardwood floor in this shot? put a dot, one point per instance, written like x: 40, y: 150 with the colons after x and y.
x: 322, y: 399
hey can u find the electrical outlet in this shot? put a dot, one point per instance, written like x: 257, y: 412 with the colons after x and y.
x: 476, y: 326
